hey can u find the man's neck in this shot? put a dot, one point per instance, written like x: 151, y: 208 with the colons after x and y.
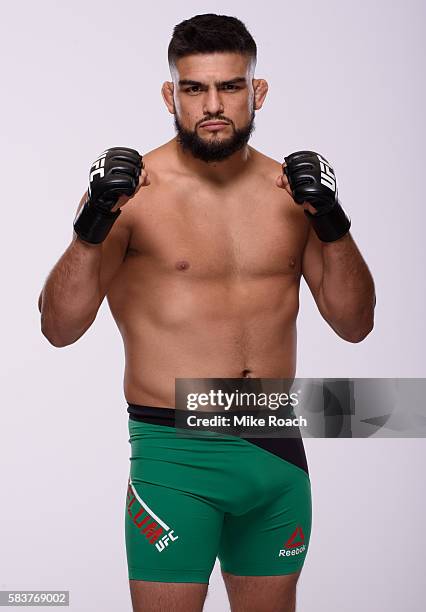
x: 218, y: 172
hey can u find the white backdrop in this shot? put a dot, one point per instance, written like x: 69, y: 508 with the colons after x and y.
x: 346, y: 79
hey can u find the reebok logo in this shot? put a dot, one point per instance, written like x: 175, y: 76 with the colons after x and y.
x: 295, y: 545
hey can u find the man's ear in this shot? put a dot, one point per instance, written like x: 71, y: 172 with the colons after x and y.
x: 167, y: 93
x: 260, y: 87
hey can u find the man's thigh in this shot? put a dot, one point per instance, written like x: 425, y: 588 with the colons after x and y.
x: 271, y: 539
x: 261, y: 593
x: 262, y: 551
x: 166, y: 596
x: 181, y: 550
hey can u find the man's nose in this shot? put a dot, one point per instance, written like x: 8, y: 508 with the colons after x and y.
x: 213, y: 104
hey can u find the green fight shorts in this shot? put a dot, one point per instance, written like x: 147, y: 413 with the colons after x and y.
x: 191, y: 499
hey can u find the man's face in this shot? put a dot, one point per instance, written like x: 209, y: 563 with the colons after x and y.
x: 213, y: 101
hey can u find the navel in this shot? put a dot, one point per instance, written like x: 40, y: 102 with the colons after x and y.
x: 182, y: 265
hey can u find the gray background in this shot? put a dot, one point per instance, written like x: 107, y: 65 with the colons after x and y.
x: 346, y: 79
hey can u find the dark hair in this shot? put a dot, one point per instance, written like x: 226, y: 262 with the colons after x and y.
x: 210, y: 33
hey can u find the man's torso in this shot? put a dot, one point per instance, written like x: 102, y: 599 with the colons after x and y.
x: 210, y: 282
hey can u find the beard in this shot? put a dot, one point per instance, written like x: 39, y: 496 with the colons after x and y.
x: 214, y: 150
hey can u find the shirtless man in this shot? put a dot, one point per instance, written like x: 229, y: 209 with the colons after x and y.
x: 200, y: 259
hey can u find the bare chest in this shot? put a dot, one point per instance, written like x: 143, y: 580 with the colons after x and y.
x: 248, y: 233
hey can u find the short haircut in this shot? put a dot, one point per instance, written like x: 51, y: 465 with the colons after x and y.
x: 211, y: 33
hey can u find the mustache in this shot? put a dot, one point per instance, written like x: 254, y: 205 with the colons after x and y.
x: 216, y: 118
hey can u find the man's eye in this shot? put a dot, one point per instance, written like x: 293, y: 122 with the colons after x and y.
x: 230, y: 86
x: 193, y: 89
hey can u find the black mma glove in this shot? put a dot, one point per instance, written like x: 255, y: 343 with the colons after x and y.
x: 115, y: 173
x: 312, y: 179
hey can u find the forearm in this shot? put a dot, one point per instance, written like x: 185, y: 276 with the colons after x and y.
x: 71, y: 295
x: 347, y: 295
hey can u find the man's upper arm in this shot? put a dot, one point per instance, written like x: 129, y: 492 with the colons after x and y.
x: 312, y: 266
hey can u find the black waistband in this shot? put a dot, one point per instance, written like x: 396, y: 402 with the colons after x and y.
x: 289, y: 449
x: 152, y: 414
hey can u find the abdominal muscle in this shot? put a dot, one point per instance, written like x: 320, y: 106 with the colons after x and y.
x: 177, y: 326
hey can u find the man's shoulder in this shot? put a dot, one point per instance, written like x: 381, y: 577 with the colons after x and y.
x: 161, y: 161
x: 160, y: 154
x: 266, y: 164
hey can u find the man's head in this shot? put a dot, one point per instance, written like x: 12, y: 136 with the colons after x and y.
x: 212, y: 60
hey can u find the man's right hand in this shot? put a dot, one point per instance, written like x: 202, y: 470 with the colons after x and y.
x: 115, y: 177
